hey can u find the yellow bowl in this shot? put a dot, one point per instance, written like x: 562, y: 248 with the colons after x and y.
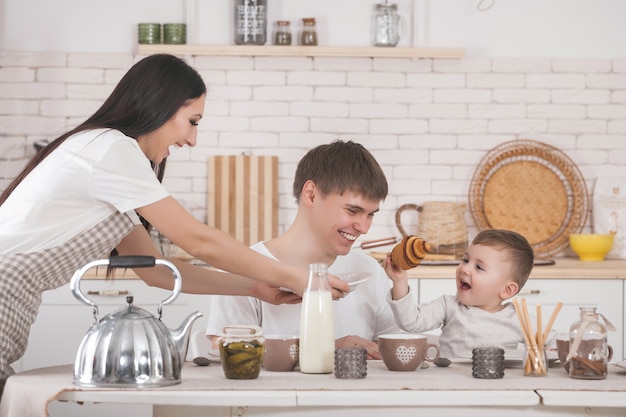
x: 591, y: 247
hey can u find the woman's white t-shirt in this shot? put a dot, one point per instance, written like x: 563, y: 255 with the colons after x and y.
x: 87, y: 178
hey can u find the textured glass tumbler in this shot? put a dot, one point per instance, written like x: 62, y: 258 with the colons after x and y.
x: 149, y: 33
x: 350, y: 362
x: 488, y: 363
x: 175, y: 33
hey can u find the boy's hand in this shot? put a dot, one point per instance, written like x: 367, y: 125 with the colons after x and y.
x: 398, y: 276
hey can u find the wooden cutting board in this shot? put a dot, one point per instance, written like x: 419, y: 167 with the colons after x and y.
x: 243, y: 196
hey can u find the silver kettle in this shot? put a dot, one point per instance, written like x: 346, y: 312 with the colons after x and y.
x: 130, y: 347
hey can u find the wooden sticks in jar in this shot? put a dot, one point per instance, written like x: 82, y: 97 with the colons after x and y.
x: 535, y: 363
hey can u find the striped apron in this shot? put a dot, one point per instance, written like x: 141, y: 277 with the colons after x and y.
x: 25, y: 276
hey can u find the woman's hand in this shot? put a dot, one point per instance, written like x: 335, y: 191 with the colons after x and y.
x: 275, y: 295
x: 356, y: 341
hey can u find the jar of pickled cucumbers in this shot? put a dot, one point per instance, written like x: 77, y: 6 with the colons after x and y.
x: 241, y: 351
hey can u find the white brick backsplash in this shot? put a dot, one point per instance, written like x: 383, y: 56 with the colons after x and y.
x: 379, y: 110
x: 19, y: 107
x: 618, y: 96
x: 259, y: 108
x: 462, y: 96
x: 69, y: 108
x: 581, y: 96
x: 496, y: 111
x: 619, y: 65
x: 316, y: 78
x: 32, y: 91
x: 403, y: 95
x: 522, y: 127
x: 30, y: 125
x: 402, y: 65
x: 220, y: 92
x: 347, y: 94
x: 521, y: 65
x: 555, y: 81
x: 435, y: 80
x: 607, y: 112
x: 601, y: 142
x: 15, y: 74
x: 250, y: 140
x: 376, y: 79
x: 342, y: 64
x: 495, y: 80
x: 283, y: 93
x: 32, y: 59
x: 438, y: 111
x: 457, y: 126
x: 223, y: 63
x: 89, y: 91
x: 428, y: 122
x: 100, y: 61
x: 617, y: 126
x: 462, y: 66
x: 279, y: 124
x: 555, y: 111
x: 398, y: 126
x: 576, y: 126
x: 610, y: 81
x: 343, y: 126
x: 319, y: 109
x: 521, y: 96
x: 256, y: 77
x: 581, y: 65
x: 283, y: 63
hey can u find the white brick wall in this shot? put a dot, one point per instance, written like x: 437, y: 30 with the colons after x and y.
x: 428, y: 122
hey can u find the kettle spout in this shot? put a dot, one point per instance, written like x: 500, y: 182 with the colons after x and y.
x: 181, y: 335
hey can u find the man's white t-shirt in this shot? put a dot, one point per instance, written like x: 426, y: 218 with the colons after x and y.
x: 87, y: 178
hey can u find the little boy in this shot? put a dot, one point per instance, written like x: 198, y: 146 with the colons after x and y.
x: 495, y: 267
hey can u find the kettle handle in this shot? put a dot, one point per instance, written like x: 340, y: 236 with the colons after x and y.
x: 399, y: 216
x: 134, y: 261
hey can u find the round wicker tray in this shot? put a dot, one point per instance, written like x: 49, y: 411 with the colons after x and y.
x: 531, y: 188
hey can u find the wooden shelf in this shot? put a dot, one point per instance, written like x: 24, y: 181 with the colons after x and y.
x: 307, y: 51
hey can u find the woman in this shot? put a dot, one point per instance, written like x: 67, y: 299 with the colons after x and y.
x: 79, y: 197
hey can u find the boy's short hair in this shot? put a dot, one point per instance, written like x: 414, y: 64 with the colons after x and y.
x: 341, y: 166
x: 520, y: 252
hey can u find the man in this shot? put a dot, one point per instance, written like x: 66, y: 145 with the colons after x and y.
x: 338, y: 188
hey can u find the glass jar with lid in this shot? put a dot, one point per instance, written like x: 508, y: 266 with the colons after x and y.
x: 308, y: 35
x: 282, y: 32
x: 589, y: 352
x: 241, y: 351
x: 386, y: 25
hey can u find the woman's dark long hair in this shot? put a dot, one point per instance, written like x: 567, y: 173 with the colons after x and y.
x: 146, y: 97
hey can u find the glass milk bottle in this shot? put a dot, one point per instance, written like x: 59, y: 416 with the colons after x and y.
x: 317, y: 324
x: 589, y: 352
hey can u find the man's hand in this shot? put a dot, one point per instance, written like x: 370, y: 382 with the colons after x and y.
x: 356, y: 341
x: 340, y: 288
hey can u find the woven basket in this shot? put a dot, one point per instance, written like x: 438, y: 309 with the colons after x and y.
x: 531, y: 188
x: 441, y: 224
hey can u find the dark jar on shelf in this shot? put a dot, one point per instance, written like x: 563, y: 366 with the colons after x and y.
x: 282, y: 32
x: 308, y: 36
x: 250, y: 22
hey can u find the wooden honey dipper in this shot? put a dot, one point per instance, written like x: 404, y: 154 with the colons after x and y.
x: 409, y: 252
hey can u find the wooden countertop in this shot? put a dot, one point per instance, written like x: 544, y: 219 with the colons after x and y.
x: 564, y: 268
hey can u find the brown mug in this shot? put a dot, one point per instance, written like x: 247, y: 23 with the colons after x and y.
x: 281, y: 353
x: 405, y: 352
x: 562, y: 349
